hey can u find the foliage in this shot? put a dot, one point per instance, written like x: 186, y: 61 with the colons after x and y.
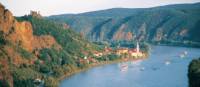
x: 71, y: 42
x: 51, y: 82
x: 44, y: 69
x: 166, y: 22
x: 24, y: 53
x: 4, y: 83
x: 24, y: 77
x: 51, y: 63
x: 194, y: 73
x: 2, y: 38
x: 58, y: 71
x: 113, y: 57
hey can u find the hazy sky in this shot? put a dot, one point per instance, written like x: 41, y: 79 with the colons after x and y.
x: 53, y: 7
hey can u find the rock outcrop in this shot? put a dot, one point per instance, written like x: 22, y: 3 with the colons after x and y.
x: 6, y: 20
x: 21, y: 33
x: 18, y: 36
x: 35, y: 14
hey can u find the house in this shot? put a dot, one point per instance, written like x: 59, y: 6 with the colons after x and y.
x: 98, y: 54
x: 85, y: 57
x: 136, y: 54
x: 92, y: 60
x: 107, y: 50
x: 39, y: 82
x: 121, y: 51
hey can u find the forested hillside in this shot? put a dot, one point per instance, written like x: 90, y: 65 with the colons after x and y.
x: 166, y: 24
x: 35, y: 51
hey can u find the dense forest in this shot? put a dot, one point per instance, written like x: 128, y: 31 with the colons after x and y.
x: 171, y: 24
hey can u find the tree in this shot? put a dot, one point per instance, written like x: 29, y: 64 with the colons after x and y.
x: 51, y: 82
x: 194, y: 73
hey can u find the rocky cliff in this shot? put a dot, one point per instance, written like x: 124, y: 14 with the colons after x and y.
x: 16, y: 35
x: 34, y: 48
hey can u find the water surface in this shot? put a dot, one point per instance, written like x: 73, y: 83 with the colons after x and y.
x: 152, y: 72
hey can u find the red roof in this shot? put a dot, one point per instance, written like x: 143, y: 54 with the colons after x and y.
x: 108, y: 49
x: 97, y: 52
x: 132, y: 50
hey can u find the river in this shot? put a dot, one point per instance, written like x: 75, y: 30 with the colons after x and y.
x: 163, y: 68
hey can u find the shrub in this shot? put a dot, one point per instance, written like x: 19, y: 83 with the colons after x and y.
x: 50, y: 82
x: 194, y: 73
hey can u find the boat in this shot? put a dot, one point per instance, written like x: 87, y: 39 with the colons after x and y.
x: 167, y: 62
x: 123, y: 67
x: 181, y: 55
x: 142, y: 69
x: 185, y: 52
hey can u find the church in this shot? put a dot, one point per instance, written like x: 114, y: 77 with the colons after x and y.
x: 135, y: 52
x: 132, y: 52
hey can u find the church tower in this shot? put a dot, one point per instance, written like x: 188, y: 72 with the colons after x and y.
x: 137, y: 47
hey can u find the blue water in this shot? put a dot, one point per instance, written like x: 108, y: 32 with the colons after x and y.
x: 155, y: 73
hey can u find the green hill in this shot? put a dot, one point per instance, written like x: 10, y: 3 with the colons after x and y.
x: 165, y: 24
x: 35, y: 51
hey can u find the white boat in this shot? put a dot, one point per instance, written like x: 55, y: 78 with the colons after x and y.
x: 123, y: 67
x: 142, y: 69
x: 167, y: 62
x: 185, y: 52
x: 182, y: 55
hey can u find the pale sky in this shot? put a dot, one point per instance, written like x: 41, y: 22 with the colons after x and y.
x: 55, y: 7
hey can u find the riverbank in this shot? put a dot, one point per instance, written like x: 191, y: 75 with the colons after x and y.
x: 102, y: 63
x: 180, y: 44
x: 155, y: 70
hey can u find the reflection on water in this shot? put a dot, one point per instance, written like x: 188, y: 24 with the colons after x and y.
x: 164, y: 68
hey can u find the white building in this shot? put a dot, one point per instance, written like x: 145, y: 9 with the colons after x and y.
x: 136, y: 52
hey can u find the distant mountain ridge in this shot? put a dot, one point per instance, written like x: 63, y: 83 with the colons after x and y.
x: 164, y: 23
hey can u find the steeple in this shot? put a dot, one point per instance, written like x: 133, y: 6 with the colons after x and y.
x: 137, y: 47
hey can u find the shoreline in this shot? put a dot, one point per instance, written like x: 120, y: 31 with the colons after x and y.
x: 65, y: 76
x: 175, y: 45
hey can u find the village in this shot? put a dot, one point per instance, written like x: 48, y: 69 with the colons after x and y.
x: 123, y: 53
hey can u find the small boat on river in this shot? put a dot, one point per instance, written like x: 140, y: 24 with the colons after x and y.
x: 167, y: 62
x: 182, y: 55
x: 142, y: 69
x: 185, y: 52
x: 123, y: 67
